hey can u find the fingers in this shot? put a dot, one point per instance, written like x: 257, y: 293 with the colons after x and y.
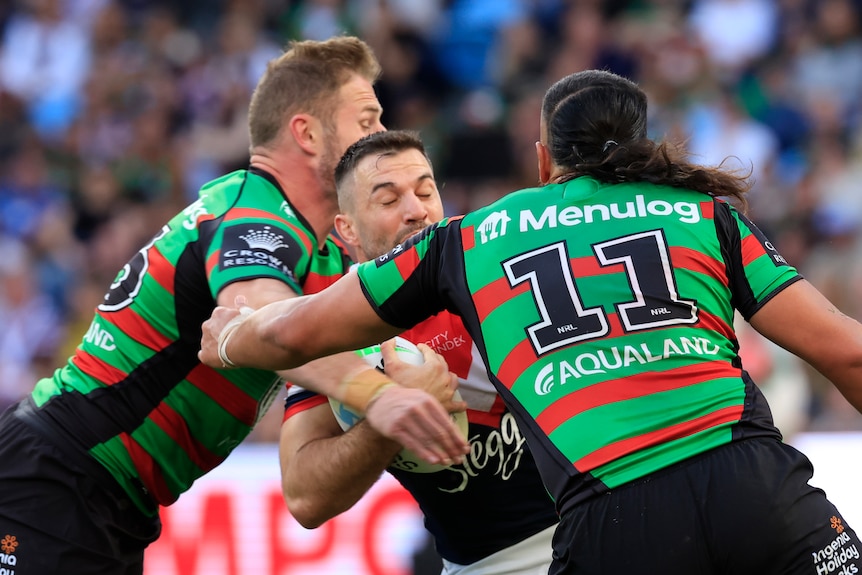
x: 439, y: 447
x: 387, y: 350
x: 241, y: 303
x: 430, y: 355
x: 418, y: 422
x: 212, y: 329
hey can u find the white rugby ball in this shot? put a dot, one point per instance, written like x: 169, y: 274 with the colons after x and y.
x: 406, y: 460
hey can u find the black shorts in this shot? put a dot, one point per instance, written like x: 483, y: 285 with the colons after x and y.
x: 743, y: 509
x: 57, y: 516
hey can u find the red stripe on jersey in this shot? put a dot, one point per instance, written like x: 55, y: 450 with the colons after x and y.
x: 715, y: 323
x: 173, y: 424
x: 445, y: 333
x: 203, y: 218
x: 488, y: 418
x: 707, y: 210
x: 310, y: 402
x: 689, y: 259
x: 495, y: 293
x: 149, y: 471
x: 138, y: 329
x: 631, y: 387
x: 515, y: 363
x: 751, y: 249
x: 160, y: 269
x: 212, y: 262
x: 590, y: 266
x: 619, y: 449
x: 251, y: 213
x: 468, y: 238
x: 316, y: 282
x: 407, y: 261
x: 615, y: 325
x: 221, y: 390
x: 342, y: 247
x: 97, y: 369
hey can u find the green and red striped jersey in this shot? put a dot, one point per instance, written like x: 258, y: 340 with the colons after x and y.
x: 604, y: 314
x: 134, y: 395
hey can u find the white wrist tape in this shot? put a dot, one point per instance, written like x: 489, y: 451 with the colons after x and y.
x: 227, y: 332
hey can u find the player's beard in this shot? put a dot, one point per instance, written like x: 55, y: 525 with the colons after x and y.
x: 328, y: 161
x: 375, y: 246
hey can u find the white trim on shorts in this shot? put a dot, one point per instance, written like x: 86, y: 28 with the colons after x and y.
x: 532, y: 556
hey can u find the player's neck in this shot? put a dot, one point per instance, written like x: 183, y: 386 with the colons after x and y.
x: 302, y: 187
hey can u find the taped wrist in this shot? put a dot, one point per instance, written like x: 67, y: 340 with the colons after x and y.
x: 361, y: 389
x: 223, y: 339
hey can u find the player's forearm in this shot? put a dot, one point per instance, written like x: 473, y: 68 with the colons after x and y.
x: 803, y: 321
x: 326, y: 477
x: 289, y: 333
x: 344, y: 377
x: 255, y: 340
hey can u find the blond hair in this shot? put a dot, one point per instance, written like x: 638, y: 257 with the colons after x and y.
x: 306, y: 79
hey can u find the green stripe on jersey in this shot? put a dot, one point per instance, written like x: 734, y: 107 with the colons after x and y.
x: 148, y: 327
x: 657, y: 457
x: 604, y: 247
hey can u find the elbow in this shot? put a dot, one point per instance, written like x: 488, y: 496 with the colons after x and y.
x: 306, y: 513
x: 310, y: 510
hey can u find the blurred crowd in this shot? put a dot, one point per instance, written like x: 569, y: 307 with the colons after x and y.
x: 114, y: 112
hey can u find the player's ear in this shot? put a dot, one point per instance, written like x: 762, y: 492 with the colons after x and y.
x: 543, y: 156
x: 307, y: 132
x: 346, y: 230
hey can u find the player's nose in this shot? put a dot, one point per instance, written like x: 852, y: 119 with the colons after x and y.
x: 414, y: 208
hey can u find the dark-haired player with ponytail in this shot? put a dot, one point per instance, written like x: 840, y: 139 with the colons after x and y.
x: 602, y: 303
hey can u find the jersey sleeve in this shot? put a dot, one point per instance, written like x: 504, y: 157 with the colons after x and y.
x: 756, y: 271
x: 257, y: 247
x: 300, y: 399
x: 406, y: 285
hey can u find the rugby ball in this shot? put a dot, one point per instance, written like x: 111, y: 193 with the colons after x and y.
x: 406, y: 460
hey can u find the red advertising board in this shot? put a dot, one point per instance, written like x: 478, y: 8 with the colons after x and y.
x: 234, y: 521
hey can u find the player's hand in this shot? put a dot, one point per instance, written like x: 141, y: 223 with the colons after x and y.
x: 432, y: 376
x: 419, y: 422
x: 222, y: 320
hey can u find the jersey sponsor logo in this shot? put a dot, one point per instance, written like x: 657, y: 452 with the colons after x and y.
x: 380, y: 260
x: 836, y: 557
x: 552, y: 216
x: 499, y: 454
x: 263, y: 239
x: 288, y: 211
x: 618, y: 357
x: 8, y: 545
x: 442, y: 342
x: 257, y: 245
x: 494, y: 226
x: 768, y: 247
x: 194, y: 211
x: 777, y: 258
x: 100, y: 337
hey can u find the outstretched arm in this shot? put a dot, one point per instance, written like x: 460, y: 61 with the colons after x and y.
x: 801, y: 320
x: 289, y: 333
x: 343, y: 376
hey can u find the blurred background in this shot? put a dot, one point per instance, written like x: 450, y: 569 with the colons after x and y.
x: 114, y: 112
